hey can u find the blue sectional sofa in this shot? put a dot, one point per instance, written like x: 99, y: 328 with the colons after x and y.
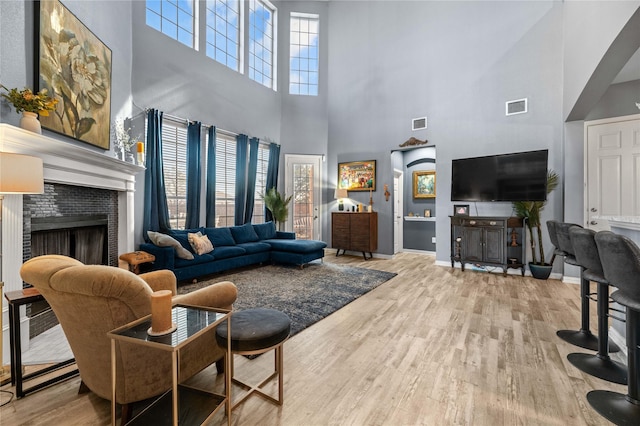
x: 234, y: 247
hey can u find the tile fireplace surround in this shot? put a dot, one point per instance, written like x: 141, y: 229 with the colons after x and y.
x: 65, y: 163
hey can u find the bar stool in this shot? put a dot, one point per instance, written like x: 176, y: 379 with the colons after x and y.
x: 621, y: 264
x: 599, y: 365
x: 253, y: 332
x: 551, y: 228
x: 583, y: 337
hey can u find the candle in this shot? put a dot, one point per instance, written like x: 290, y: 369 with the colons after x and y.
x: 161, y: 311
x: 140, y: 154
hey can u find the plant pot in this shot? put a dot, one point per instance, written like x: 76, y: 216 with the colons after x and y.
x: 540, y: 271
x: 29, y: 121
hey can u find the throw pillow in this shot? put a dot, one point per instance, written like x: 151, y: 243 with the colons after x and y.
x: 220, y: 237
x: 163, y: 240
x: 265, y: 231
x: 244, y: 233
x: 200, y: 243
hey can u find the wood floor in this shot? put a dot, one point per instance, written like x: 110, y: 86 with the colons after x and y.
x: 432, y: 346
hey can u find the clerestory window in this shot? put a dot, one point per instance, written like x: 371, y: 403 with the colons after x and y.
x: 303, y: 54
x: 224, y: 32
x: 262, y: 24
x: 174, y: 18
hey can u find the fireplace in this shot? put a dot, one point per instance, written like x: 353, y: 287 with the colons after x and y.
x: 73, y: 221
x: 80, y: 183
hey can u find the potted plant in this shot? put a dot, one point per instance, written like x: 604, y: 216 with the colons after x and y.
x: 278, y: 205
x: 30, y: 105
x: 531, y: 212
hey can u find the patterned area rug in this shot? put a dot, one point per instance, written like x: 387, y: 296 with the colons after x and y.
x: 306, y: 295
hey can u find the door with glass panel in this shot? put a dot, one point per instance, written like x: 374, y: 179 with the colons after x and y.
x: 302, y: 181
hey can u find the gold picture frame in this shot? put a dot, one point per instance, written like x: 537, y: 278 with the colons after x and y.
x: 357, y: 175
x: 424, y: 184
x: 75, y: 67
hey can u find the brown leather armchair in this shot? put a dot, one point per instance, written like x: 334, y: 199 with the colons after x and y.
x: 90, y: 300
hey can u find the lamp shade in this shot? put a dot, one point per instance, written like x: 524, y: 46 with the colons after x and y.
x: 340, y: 194
x: 20, y: 174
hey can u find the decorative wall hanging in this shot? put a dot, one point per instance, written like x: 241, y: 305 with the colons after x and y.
x: 357, y: 175
x: 75, y: 67
x: 424, y: 184
x: 413, y: 142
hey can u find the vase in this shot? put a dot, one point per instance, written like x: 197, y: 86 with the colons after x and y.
x: 540, y: 272
x: 29, y: 121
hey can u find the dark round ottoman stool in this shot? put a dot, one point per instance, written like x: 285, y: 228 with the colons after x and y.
x: 256, y: 331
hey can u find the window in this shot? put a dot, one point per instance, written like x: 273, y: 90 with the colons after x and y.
x: 174, y: 18
x: 261, y: 183
x: 262, y: 21
x: 225, y: 179
x: 174, y: 162
x: 223, y: 32
x: 303, y: 56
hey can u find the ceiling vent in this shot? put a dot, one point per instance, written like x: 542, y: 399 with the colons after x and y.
x: 519, y: 106
x: 419, y: 123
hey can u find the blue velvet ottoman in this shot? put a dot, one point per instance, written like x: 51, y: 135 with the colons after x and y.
x: 256, y: 331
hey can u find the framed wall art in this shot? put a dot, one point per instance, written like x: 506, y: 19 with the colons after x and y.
x: 461, y: 209
x: 357, y: 175
x: 75, y: 67
x: 424, y: 184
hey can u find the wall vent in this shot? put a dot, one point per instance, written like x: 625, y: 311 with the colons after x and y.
x: 419, y: 123
x: 519, y: 106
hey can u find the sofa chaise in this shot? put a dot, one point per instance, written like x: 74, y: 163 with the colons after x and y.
x: 233, y: 247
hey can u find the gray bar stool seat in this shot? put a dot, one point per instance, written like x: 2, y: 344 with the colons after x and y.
x: 599, y: 365
x: 621, y: 265
x: 253, y: 332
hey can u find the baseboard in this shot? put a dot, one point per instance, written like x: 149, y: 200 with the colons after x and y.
x: 619, y: 340
x: 571, y: 280
x: 357, y: 253
x: 422, y: 252
x: 495, y: 270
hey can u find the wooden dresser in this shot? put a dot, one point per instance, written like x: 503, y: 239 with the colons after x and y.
x: 354, y: 231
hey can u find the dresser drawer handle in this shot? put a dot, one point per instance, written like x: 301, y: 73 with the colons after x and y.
x: 492, y: 223
x: 472, y: 222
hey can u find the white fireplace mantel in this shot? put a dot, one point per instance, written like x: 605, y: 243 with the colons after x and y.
x: 64, y: 163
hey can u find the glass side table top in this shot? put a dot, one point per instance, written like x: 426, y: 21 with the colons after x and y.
x: 190, y: 321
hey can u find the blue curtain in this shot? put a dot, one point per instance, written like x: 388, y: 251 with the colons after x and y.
x: 251, y: 179
x: 241, y: 178
x: 272, y: 173
x: 156, y: 212
x: 193, y: 175
x: 211, y: 179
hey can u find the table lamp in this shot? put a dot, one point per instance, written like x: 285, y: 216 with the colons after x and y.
x: 340, y: 195
x: 19, y: 174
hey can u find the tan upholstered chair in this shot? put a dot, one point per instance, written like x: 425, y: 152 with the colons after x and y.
x: 90, y: 300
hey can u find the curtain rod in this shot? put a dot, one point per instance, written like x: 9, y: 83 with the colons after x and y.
x: 187, y: 121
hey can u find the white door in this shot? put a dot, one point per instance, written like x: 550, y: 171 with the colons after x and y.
x: 303, y: 177
x: 612, y: 169
x: 398, y: 228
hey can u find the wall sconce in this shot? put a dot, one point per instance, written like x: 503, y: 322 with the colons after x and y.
x: 340, y: 195
x: 386, y: 192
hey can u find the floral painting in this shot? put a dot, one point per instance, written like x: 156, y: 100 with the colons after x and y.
x: 75, y: 67
x: 357, y: 175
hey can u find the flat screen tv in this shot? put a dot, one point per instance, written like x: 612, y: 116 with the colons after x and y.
x: 520, y: 176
